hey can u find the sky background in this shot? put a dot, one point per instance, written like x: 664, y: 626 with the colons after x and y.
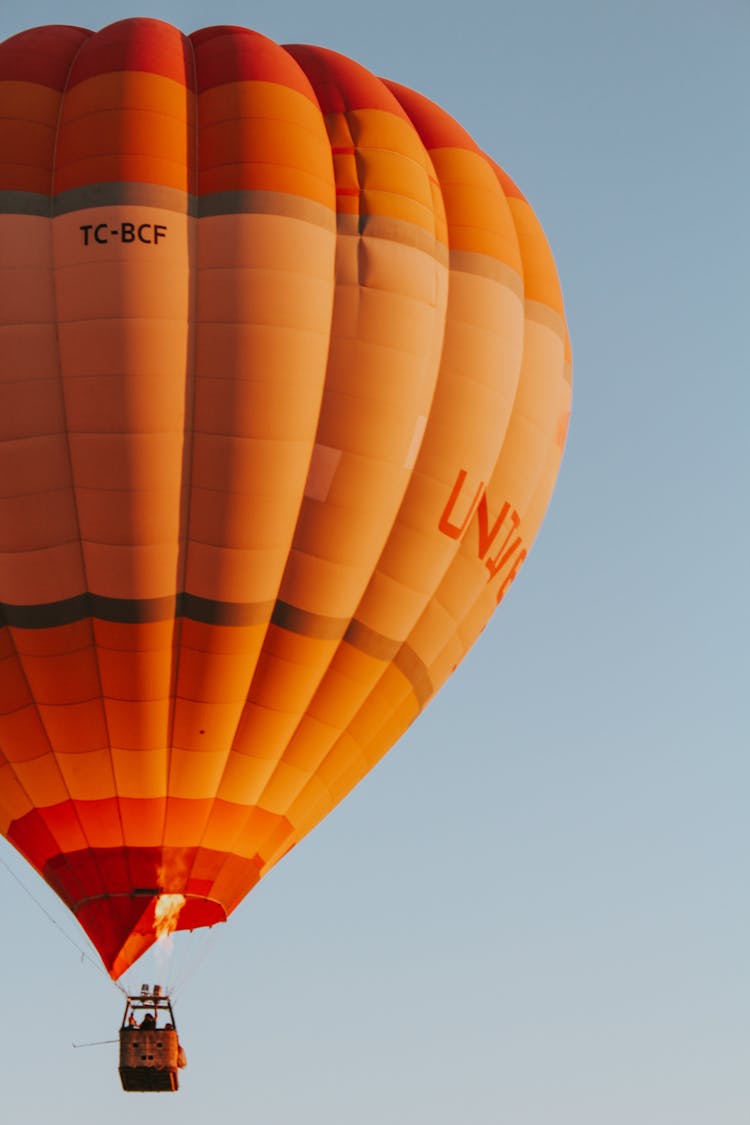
x: 535, y: 910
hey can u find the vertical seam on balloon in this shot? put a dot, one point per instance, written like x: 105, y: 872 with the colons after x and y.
x: 72, y: 801
x: 438, y: 361
x: 238, y: 835
x: 467, y: 614
x: 189, y: 439
x: 24, y: 674
x: 228, y: 854
x: 188, y: 459
x: 406, y: 645
x: 75, y: 497
x: 345, y: 117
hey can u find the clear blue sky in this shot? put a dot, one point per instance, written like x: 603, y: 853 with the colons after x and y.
x: 535, y: 911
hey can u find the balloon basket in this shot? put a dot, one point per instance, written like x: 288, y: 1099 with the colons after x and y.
x: 150, y: 1055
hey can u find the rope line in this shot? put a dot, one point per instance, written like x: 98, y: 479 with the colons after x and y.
x: 54, y: 922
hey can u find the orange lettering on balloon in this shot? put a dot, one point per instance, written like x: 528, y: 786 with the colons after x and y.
x: 455, y: 531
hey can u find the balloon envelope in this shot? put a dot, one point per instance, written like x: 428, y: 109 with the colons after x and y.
x: 284, y: 387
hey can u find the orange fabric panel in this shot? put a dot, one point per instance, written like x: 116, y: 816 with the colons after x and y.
x: 140, y: 131
x: 540, y: 274
x: 15, y: 803
x: 263, y: 136
x: 23, y: 734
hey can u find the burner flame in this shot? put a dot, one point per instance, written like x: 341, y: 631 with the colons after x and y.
x: 166, y: 914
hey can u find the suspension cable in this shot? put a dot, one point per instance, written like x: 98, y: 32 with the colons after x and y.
x: 60, y: 929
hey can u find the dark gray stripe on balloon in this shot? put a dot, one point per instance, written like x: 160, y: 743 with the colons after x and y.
x: 25, y: 203
x: 483, y: 265
x: 129, y: 194
x: 415, y: 671
x: 365, y: 639
x: 266, y: 203
x: 131, y: 611
x: 393, y: 230
x: 308, y: 624
x: 123, y: 194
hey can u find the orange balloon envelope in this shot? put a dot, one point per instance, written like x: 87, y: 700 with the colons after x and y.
x: 284, y: 387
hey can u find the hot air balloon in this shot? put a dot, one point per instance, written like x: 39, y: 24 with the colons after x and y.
x: 284, y: 389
